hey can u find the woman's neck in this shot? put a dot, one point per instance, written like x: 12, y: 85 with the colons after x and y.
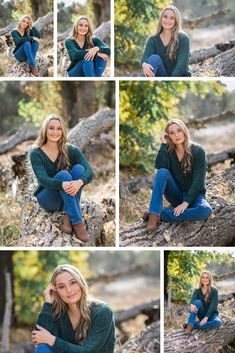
x: 166, y: 33
x: 51, y: 146
x: 73, y: 309
x: 205, y: 287
x: 80, y: 37
x: 180, y: 148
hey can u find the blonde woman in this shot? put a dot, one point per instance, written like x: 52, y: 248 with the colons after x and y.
x: 70, y: 321
x: 167, y: 52
x: 88, y: 54
x: 27, y: 40
x: 180, y: 177
x: 61, y: 171
x: 204, y: 305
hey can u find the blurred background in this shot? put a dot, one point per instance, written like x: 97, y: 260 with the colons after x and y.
x: 136, y: 21
x: 115, y: 277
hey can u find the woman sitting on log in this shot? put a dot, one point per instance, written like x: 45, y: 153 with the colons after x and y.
x: 180, y: 178
x: 70, y: 321
x: 26, y: 39
x: 61, y: 171
x: 88, y: 54
x: 167, y: 52
x: 203, y: 306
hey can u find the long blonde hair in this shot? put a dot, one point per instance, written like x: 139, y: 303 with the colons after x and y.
x: 62, y: 144
x: 186, y: 163
x: 174, y: 41
x: 88, y: 37
x: 84, y: 304
x: 208, y: 294
x: 27, y: 30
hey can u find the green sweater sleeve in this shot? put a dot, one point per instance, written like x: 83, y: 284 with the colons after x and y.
x: 45, y: 319
x: 35, y: 33
x: 41, y: 173
x: 162, y: 159
x: 182, y: 57
x: 102, y: 46
x: 19, y: 39
x: 194, y: 296
x: 213, y: 303
x: 73, y: 51
x: 80, y: 159
x: 100, y: 330
x: 149, y: 50
x: 198, y: 175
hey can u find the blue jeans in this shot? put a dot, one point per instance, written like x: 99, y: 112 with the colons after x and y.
x: 43, y: 348
x: 88, y: 68
x: 27, y: 52
x: 165, y: 184
x: 213, y: 321
x: 156, y: 62
x: 57, y: 200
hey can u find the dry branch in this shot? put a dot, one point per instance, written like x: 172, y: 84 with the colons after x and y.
x: 196, y: 22
x: 198, y: 123
x: 218, y: 230
x: 222, y: 277
x: 223, y: 297
x: 21, y: 135
x: 202, y: 54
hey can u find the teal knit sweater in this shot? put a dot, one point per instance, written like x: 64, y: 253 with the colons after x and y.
x: 101, y: 337
x: 45, y: 169
x: 174, y: 68
x: 19, y: 39
x: 76, y: 53
x: 210, y: 307
x: 192, y: 184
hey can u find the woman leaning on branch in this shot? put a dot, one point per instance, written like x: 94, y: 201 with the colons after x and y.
x: 167, y: 52
x: 71, y: 321
x: 27, y: 40
x: 61, y: 171
x: 180, y: 177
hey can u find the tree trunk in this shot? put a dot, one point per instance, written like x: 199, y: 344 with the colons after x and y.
x: 21, y: 135
x: 101, y: 11
x: 39, y: 7
x: 6, y: 265
x: 7, y: 315
x: 217, y: 230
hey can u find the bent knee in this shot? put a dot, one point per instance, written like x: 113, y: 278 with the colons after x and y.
x: 197, y: 303
x: 78, y: 170
x: 63, y: 175
x: 163, y: 172
x: 27, y: 44
x: 154, y: 59
x: 43, y: 348
x: 206, y: 211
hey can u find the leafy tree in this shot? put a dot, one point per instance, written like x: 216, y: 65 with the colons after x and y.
x: 185, y: 267
x: 145, y: 107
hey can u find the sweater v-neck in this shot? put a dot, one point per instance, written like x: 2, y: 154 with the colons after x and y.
x: 49, y: 157
x: 165, y: 46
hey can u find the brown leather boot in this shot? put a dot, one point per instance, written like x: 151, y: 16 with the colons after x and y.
x: 153, y: 222
x: 188, y: 329
x: 67, y: 225
x: 35, y: 72
x: 81, y: 232
x: 145, y: 216
x: 27, y: 68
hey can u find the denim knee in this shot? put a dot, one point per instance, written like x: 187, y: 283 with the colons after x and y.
x: 77, y: 171
x: 26, y: 44
x: 64, y: 175
x: 206, y: 211
x: 43, y: 348
x: 155, y: 59
x: 163, y: 172
x: 197, y: 303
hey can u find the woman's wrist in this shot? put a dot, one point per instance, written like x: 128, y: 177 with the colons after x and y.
x: 51, y: 340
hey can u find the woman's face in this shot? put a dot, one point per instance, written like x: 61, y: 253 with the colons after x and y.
x: 205, y: 279
x: 25, y: 22
x: 54, y: 131
x: 82, y: 27
x: 176, y: 134
x: 68, y: 288
x: 168, y: 19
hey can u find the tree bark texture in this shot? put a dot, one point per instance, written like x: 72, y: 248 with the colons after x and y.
x: 203, y: 54
x: 217, y: 230
x: 39, y: 7
x: 6, y: 265
x: 7, y: 315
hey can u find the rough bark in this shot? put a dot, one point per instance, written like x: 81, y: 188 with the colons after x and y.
x: 223, y: 297
x: 7, y: 315
x: 101, y: 10
x: 151, y: 309
x: 6, y: 266
x: 208, y: 341
x: 203, y: 54
x: 196, y: 22
x: 148, y: 341
x: 217, y: 230
x: 21, y: 135
x: 201, y: 122
x: 39, y: 7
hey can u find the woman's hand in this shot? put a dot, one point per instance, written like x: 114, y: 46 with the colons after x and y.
x: 148, y: 70
x: 41, y: 335
x: 164, y: 137
x: 36, y: 39
x: 103, y: 56
x: 193, y: 308
x: 48, y: 293
x: 91, y: 53
x: 181, y: 208
x: 72, y: 187
x: 203, y: 321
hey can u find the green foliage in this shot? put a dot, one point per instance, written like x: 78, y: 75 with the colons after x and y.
x: 184, y: 267
x: 134, y: 22
x: 145, y: 107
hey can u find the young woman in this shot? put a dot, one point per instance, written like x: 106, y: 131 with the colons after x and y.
x: 180, y: 178
x: 26, y: 39
x: 61, y: 171
x: 70, y: 321
x: 88, y: 54
x: 167, y: 52
x: 203, y: 306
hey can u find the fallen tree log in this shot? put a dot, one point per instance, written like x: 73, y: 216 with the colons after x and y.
x: 224, y: 276
x: 151, y: 309
x: 198, y: 123
x: 39, y: 228
x: 148, y: 341
x: 196, y: 22
x: 21, y: 135
x: 223, y: 297
x: 217, y: 230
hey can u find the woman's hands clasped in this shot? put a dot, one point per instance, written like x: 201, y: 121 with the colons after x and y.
x: 72, y: 187
x: 148, y: 70
x: 41, y: 335
x: 91, y: 53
